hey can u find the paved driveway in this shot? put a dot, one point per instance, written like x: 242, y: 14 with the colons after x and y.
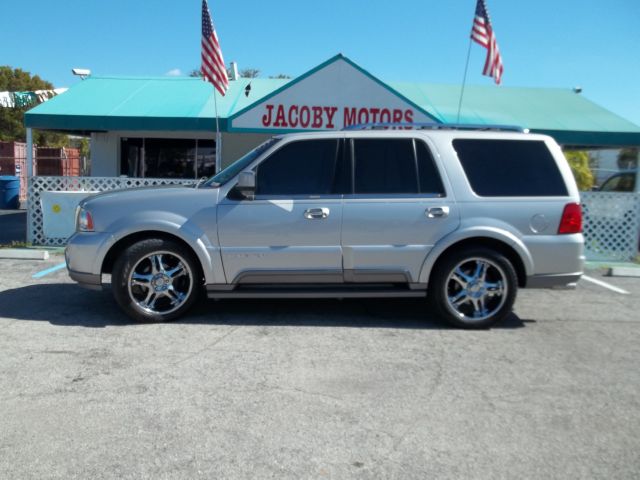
x: 316, y: 389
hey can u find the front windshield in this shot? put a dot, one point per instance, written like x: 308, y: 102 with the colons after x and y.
x: 243, y: 162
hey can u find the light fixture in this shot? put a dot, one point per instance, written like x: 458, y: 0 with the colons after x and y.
x: 81, y: 72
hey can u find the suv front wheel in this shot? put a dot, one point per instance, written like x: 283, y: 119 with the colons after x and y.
x: 156, y: 280
x: 473, y: 288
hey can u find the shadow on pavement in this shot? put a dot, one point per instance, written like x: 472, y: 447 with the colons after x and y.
x: 67, y: 304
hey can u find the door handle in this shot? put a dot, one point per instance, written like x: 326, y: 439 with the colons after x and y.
x: 437, y: 212
x: 316, y: 213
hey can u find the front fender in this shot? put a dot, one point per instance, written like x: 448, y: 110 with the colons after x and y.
x: 500, y: 233
x: 207, y: 252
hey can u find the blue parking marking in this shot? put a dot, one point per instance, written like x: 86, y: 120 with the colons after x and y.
x: 55, y: 268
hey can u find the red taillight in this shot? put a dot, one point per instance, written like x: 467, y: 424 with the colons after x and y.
x: 571, y: 221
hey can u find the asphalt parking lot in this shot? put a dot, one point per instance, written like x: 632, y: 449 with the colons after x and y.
x: 316, y: 389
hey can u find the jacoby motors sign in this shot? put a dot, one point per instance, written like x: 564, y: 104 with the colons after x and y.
x: 318, y: 117
x: 335, y: 95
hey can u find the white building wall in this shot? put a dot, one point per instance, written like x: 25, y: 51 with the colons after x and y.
x: 105, y: 161
x: 235, y: 145
x: 105, y: 147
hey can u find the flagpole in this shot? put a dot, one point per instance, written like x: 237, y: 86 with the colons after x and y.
x: 464, y: 81
x: 218, y: 136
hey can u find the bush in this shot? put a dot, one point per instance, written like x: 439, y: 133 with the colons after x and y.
x: 579, y: 163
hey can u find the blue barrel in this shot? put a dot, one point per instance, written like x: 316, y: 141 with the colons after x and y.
x: 9, y: 192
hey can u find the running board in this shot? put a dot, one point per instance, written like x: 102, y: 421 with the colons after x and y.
x: 320, y: 291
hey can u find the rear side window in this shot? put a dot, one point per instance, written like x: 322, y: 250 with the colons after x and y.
x: 430, y: 181
x: 394, y: 166
x: 510, y: 168
x: 384, y: 166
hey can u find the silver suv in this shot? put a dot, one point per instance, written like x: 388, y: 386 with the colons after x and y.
x: 460, y: 217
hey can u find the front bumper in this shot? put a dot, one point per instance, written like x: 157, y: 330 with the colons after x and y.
x: 84, y: 255
x: 87, y: 280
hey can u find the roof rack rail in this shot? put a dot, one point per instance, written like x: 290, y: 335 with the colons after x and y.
x: 436, y: 126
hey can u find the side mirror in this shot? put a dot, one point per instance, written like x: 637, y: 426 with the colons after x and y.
x: 247, y: 184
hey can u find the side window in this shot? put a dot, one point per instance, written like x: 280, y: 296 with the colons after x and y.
x: 305, y: 167
x: 510, y: 168
x: 430, y: 181
x: 384, y: 166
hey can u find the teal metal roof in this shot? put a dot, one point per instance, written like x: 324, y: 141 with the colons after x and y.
x: 187, y: 104
x: 567, y: 116
x: 158, y: 103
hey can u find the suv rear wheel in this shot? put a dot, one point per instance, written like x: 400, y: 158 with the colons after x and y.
x: 473, y: 288
x: 156, y: 280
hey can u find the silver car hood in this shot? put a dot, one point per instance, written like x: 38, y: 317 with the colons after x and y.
x: 171, y: 201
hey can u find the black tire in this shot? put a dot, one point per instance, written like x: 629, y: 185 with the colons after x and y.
x: 485, y: 300
x: 170, y: 291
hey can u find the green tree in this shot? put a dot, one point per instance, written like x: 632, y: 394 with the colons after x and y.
x: 250, y: 73
x: 628, y: 158
x: 579, y: 163
x: 12, y: 119
x: 246, y: 73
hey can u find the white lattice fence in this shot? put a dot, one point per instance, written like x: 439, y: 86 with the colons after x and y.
x: 37, y: 185
x: 611, y: 225
x: 611, y: 220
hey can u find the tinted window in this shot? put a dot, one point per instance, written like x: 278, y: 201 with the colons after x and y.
x: 299, y: 168
x: 385, y: 166
x: 510, y: 168
x: 430, y: 181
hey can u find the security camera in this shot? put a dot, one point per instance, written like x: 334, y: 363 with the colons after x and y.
x: 81, y: 72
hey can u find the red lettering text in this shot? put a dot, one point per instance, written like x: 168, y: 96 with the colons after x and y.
x: 266, y: 118
x: 408, y: 116
x: 331, y: 111
x: 349, y: 117
x: 293, y: 123
x: 305, y: 116
x: 317, y: 117
x: 363, y: 115
x: 280, y: 120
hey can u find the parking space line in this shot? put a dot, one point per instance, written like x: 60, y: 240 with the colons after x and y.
x: 605, y: 285
x: 55, y: 268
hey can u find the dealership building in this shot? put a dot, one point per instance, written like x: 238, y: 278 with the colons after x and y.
x: 164, y: 127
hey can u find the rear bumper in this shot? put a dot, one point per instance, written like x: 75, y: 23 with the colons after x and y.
x: 564, y: 280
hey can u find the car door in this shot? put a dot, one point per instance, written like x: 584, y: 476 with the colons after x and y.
x: 398, y: 210
x: 290, y: 231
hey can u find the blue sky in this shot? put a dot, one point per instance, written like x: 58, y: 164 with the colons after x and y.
x: 544, y: 43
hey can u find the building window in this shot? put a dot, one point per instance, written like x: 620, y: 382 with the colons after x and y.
x: 167, y: 157
x: 131, y: 157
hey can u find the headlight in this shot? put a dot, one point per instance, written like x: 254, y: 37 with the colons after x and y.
x: 84, y: 221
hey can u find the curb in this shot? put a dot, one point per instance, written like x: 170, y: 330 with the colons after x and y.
x: 624, y: 272
x: 23, y: 254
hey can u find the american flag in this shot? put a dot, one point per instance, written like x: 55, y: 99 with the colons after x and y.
x: 482, y: 33
x: 213, y: 69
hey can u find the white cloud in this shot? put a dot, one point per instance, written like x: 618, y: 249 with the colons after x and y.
x: 175, y: 72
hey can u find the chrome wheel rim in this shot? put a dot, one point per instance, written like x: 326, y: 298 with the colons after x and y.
x: 476, y: 289
x: 160, y: 283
